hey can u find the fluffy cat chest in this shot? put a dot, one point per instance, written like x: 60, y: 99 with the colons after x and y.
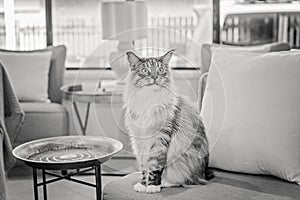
x: 150, y: 119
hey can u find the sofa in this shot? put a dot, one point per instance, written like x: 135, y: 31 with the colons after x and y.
x: 44, y: 118
x: 234, y: 178
x: 225, y: 186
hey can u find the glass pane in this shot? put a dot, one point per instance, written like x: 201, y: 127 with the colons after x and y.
x: 171, y: 24
x: 249, y: 29
x: 77, y: 24
x: 180, y: 25
x: 30, y: 24
x: 2, y: 25
x: 22, y: 24
x: 253, y: 22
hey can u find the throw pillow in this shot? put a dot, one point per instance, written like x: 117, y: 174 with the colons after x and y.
x: 29, y: 73
x: 207, y: 49
x: 251, y: 111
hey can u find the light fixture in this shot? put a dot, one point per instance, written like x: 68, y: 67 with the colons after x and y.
x: 125, y: 21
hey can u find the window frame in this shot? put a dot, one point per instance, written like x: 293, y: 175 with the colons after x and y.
x: 49, y: 32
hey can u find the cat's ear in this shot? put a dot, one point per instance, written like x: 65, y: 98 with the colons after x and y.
x: 133, y: 59
x: 165, y: 59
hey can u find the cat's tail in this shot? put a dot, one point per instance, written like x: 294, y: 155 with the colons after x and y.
x: 195, y: 183
x: 209, y: 174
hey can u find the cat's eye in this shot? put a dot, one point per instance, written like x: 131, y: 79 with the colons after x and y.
x: 144, y: 71
x: 161, y: 70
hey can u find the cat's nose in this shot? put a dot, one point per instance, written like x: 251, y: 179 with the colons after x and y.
x: 154, y: 77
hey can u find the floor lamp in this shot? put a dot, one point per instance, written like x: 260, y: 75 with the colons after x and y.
x: 125, y: 21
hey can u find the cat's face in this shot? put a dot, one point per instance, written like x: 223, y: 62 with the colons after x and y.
x: 153, y: 73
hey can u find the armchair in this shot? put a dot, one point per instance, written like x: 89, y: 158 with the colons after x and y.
x: 45, y: 119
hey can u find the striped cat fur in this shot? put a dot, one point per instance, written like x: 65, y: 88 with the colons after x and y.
x: 167, y: 134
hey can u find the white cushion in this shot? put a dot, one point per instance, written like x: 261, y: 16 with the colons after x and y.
x: 29, y: 73
x: 251, y: 110
x: 206, y: 51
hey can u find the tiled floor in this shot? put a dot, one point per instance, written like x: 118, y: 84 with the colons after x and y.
x: 21, y: 188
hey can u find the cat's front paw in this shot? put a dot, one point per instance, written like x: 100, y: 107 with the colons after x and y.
x: 153, y: 188
x: 147, y: 189
x: 139, y: 187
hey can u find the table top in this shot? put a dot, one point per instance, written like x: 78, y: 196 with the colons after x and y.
x: 67, y: 152
x: 95, y: 95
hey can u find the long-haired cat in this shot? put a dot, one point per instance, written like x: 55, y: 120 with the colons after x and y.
x: 167, y: 135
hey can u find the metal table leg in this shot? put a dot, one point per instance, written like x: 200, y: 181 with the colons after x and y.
x: 44, y: 184
x: 35, y: 186
x: 69, y: 177
x: 98, y: 181
x: 83, y: 125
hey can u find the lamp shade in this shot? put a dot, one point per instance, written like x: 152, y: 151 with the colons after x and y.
x: 124, y: 20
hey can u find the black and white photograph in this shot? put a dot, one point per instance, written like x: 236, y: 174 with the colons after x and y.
x: 149, y: 99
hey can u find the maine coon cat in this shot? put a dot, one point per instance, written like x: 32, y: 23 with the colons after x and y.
x: 166, y: 132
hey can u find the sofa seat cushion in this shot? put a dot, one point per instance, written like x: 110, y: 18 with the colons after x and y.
x: 42, y: 120
x: 225, y: 186
x: 40, y: 107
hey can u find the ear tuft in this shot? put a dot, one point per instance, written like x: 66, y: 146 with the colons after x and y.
x: 167, y: 57
x: 133, y: 59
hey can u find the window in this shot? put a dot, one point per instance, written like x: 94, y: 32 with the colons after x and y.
x: 172, y: 24
x: 77, y: 24
x: 2, y: 25
x: 180, y: 24
x: 22, y: 24
x: 255, y: 22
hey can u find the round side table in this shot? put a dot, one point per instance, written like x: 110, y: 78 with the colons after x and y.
x: 84, y: 153
x: 111, y: 95
x: 76, y: 94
